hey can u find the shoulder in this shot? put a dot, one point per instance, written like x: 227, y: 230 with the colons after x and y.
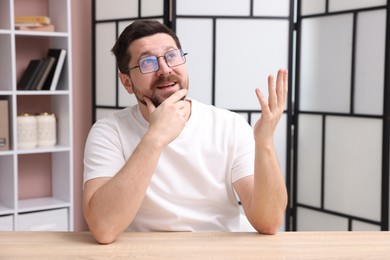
x: 111, y: 127
x: 114, y: 119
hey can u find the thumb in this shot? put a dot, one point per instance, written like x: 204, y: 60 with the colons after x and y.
x: 149, y: 104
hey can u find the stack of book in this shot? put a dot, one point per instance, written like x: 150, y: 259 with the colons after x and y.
x: 33, y: 23
x: 43, y: 74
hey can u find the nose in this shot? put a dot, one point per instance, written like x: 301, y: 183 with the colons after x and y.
x: 163, y: 66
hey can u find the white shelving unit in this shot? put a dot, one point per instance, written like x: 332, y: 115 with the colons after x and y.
x: 36, y: 185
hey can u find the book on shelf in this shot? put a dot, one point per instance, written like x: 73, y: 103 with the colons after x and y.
x: 38, y: 75
x: 40, y: 19
x: 30, y: 74
x: 28, y: 24
x: 55, y: 72
x: 43, y: 74
x: 48, y: 64
x: 40, y: 28
x: 33, y: 23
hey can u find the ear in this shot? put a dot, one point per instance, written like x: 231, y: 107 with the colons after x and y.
x: 126, y: 82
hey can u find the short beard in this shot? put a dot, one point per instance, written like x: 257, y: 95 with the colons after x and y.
x: 156, y: 100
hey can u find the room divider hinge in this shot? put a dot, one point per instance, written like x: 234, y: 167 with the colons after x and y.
x: 295, y: 26
x: 293, y: 119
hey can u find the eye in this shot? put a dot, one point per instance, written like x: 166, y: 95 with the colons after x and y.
x: 147, y: 61
x: 172, y: 55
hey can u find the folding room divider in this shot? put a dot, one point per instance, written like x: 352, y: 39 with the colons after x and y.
x: 333, y: 139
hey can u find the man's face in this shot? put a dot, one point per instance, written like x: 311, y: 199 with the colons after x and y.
x: 161, y: 84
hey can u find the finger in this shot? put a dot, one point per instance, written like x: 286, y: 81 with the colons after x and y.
x: 280, y: 87
x: 263, y: 103
x: 272, y: 98
x: 149, y: 105
x: 178, y: 95
x: 184, y: 115
x: 180, y: 104
x: 285, y: 93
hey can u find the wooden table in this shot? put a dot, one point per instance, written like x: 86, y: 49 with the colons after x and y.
x: 198, y: 245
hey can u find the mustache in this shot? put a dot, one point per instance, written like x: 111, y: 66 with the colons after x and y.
x: 164, y: 79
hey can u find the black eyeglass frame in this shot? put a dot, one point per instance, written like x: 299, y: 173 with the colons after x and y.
x: 183, y: 54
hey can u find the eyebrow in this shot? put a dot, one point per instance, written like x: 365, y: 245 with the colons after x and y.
x: 149, y: 53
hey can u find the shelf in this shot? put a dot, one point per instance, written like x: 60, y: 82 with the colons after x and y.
x: 40, y: 180
x: 38, y: 204
x: 41, y: 34
x: 2, y: 31
x: 41, y: 92
x: 38, y: 150
x: 8, y: 152
x: 5, y: 210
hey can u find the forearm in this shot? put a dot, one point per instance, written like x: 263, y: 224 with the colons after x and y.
x: 269, y: 198
x: 113, y: 206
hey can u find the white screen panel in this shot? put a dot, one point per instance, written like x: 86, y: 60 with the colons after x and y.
x: 280, y: 139
x: 309, y: 160
x: 107, y: 9
x: 325, y: 73
x: 271, y: 8
x: 105, y: 65
x: 215, y: 7
x: 245, y: 58
x: 124, y: 99
x: 152, y: 8
x: 341, y: 5
x: 311, y: 220
x: 362, y: 226
x: 313, y: 7
x: 370, y: 62
x: 353, y: 159
x: 196, y: 37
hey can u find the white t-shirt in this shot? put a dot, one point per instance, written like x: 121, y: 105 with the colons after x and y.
x: 191, y: 189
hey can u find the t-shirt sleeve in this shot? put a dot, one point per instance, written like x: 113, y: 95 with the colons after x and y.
x: 244, y: 155
x: 103, y: 154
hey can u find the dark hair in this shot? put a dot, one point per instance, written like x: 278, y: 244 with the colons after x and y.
x: 138, y: 29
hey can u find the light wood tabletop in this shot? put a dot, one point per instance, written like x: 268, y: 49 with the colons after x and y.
x: 197, y: 245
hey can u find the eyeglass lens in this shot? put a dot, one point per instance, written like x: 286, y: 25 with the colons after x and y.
x: 150, y: 64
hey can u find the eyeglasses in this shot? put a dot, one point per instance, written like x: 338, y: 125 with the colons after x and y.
x: 150, y: 64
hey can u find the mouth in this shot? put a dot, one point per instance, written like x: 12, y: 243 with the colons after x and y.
x: 167, y: 85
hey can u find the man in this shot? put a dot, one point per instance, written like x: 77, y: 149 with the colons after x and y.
x: 174, y: 164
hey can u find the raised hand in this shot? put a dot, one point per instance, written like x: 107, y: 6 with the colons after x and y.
x: 168, y: 120
x: 272, y: 109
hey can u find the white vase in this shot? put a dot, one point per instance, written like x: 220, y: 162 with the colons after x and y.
x: 26, y: 131
x: 46, y: 127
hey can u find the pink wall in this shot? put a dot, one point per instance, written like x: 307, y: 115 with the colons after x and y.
x: 82, y: 96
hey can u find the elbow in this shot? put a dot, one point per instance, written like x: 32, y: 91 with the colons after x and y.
x: 103, y: 237
x: 271, y: 230
x: 104, y: 240
x: 102, y: 232
x: 268, y: 226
